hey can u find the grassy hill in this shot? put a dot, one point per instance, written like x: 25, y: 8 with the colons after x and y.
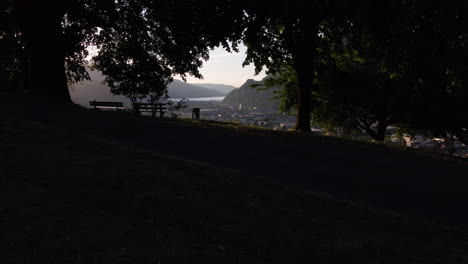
x: 68, y: 197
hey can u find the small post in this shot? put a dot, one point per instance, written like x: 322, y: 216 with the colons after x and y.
x: 196, y: 113
x: 136, y: 109
x: 161, y: 112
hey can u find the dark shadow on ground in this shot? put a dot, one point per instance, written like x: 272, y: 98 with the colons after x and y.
x: 390, y: 179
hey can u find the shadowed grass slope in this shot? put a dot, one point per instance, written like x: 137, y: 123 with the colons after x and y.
x: 71, y: 198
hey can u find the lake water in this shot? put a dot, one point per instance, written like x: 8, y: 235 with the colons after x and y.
x: 200, y: 99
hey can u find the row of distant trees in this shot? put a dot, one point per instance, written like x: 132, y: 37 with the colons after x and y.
x: 361, y: 63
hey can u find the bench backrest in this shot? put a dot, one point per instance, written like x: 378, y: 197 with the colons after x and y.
x: 159, y: 106
x: 105, y: 104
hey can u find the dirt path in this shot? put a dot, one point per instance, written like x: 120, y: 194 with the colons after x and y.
x: 389, y: 179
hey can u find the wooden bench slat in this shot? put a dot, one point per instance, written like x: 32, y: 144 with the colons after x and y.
x: 148, y: 107
x: 151, y: 107
x: 111, y: 104
x: 102, y: 104
x: 150, y: 104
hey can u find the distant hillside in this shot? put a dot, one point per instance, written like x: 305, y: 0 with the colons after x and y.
x: 252, y: 97
x: 82, y: 93
x: 180, y: 89
x: 225, y: 89
x: 95, y: 89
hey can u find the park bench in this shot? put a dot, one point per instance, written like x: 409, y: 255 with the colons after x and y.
x: 106, y: 105
x: 152, y: 108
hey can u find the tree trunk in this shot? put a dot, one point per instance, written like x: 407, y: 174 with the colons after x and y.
x: 41, y: 26
x: 25, y: 72
x: 304, y: 41
x: 304, y: 102
x: 382, y: 122
x: 381, y: 131
x: 48, y: 76
x: 377, y: 135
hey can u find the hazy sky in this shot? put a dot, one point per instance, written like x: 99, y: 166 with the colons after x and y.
x: 226, y: 68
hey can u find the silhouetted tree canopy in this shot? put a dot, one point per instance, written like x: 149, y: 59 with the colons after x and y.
x: 424, y: 44
x: 390, y: 61
x: 398, y: 62
x: 287, y: 34
x: 145, y: 46
x: 10, y: 48
x: 161, y: 37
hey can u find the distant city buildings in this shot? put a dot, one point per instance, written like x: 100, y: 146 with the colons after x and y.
x: 242, y: 115
x: 277, y: 121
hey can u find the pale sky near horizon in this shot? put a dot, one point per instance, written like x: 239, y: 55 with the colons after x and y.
x: 222, y: 68
x: 226, y: 68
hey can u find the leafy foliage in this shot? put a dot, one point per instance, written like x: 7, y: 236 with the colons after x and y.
x: 147, y: 36
x: 355, y: 62
x: 10, y: 49
x: 175, y: 107
x: 131, y: 69
x: 288, y: 36
x: 391, y: 63
x: 145, y: 46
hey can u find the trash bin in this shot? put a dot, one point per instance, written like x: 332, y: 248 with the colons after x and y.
x: 196, y: 113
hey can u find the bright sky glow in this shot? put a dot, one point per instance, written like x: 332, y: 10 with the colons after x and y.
x: 226, y: 68
x: 222, y: 68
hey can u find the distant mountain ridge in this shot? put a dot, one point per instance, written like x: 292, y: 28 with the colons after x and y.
x: 250, y: 97
x: 96, y: 89
x: 181, y: 89
x: 83, y: 92
x: 225, y: 89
